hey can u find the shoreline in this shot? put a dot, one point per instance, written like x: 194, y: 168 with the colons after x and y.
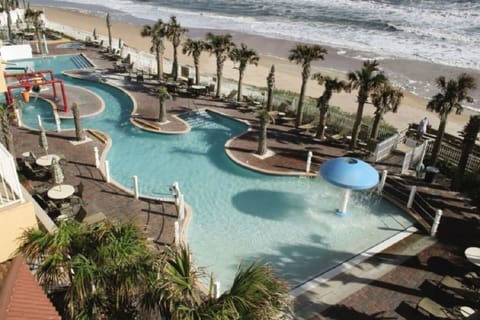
x: 287, y: 75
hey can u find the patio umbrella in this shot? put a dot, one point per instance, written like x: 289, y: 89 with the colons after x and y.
x: 94, y: 34
x: 57, y: 172
x: 42, y: 141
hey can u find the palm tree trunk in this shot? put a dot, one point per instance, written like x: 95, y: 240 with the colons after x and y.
x: 109, y: 29
x: 240, y: 80
x: 39, y: 41
x: 163, y: 112
x: 438, y: 140
x: 175, y: 64
x: 80, y: 135
x: 9, y: 19
x: 356, y: 125
x: 470, y: 135
x: 196, y: 62
x: 462, y: 165
x: 270, y: 99
x: 7, y: 136
x: 159, y: 64
x: 219, y: 78
x: 376, y: 125
x: 299, y: 118
x: 322, y: 123
x: 262, y: 138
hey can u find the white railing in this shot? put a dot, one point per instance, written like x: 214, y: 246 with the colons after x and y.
x: 10, y: 190
x: 452, y: 154
x: 385, y: 147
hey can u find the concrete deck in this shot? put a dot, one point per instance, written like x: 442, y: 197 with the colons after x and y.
x: 386, y: 286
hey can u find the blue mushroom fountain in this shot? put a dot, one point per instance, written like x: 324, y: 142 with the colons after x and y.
x: 351, y: 174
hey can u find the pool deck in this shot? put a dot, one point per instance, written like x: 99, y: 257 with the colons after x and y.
x: 386, y: 286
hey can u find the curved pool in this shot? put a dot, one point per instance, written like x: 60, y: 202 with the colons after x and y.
x: 238, y: 214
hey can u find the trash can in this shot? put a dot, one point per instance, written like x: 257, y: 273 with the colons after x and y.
x: 430, y: 174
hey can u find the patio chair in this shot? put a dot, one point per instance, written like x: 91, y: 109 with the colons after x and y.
x: 473, y: 278
x: 35, y: 172
x: 81, y: 214
x: 433, y: 309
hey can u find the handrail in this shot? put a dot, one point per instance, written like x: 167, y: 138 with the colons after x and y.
x: 421, y: 210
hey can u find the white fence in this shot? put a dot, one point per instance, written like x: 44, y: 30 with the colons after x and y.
x: 10, y: 190
x: 452, y: 154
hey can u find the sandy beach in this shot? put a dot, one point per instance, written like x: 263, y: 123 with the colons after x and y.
x: 274, y: 52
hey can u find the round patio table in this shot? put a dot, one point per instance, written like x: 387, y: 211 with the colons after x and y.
x: 60, y: 192
x: 473, y: 255
x: 45, y: 161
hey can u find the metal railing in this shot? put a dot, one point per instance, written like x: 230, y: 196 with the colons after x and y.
x: 10, y: 189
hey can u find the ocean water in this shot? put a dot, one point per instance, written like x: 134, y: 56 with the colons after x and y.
x: 442, y: 31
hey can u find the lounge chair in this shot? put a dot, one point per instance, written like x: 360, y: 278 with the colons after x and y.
x: 473, y: 278
x: 456, y: 287
x: 438, y: 311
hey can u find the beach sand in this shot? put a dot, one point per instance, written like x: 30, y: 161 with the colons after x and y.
x: 287, y: 75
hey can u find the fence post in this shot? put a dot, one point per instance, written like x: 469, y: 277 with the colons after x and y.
x: 97, y: 159
x: 181, y: 208
x: 382, y: 181
x: 39, y: 121
x: 309, y: 161
x: 411, y: 196
x: 135, y: 187
x: 177, y: 233
x: 436, y: 222
x: 19, y: 120
x: 217, y: 289
x: 57, y: 121
x: 107, y: 172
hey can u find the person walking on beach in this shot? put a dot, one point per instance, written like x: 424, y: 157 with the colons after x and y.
x: 422, y: 127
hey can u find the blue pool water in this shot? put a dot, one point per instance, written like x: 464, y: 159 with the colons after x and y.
x: 238, y: 215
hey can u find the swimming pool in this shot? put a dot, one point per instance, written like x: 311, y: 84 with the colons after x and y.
x: 238, y: 214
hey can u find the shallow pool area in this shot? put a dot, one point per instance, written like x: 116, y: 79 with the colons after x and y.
x: 238, y: 215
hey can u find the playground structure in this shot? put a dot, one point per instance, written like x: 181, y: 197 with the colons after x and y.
x: 33, y: 80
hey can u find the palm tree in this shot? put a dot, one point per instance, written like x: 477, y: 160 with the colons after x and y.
x: 220, y: 45
x: 35, y: 17
x: 305, y: 55
x: 7, y: 6
x: 270, y: 86
x: 80, y: 135
x: 244, y: 56
x: 365, y: 80
x: 163, y: 95
x: 105, y: 268
x: 174, y: 32
x: 385, y: 98
x: 470, y: 133
x: 256, y: 293
x: 157, y: 32
x: 323, y: 102
x: 6, y: 136
x: 109, y: 29
x: 265, y: 118
x: 194, y: 48
x: 452, y: 94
